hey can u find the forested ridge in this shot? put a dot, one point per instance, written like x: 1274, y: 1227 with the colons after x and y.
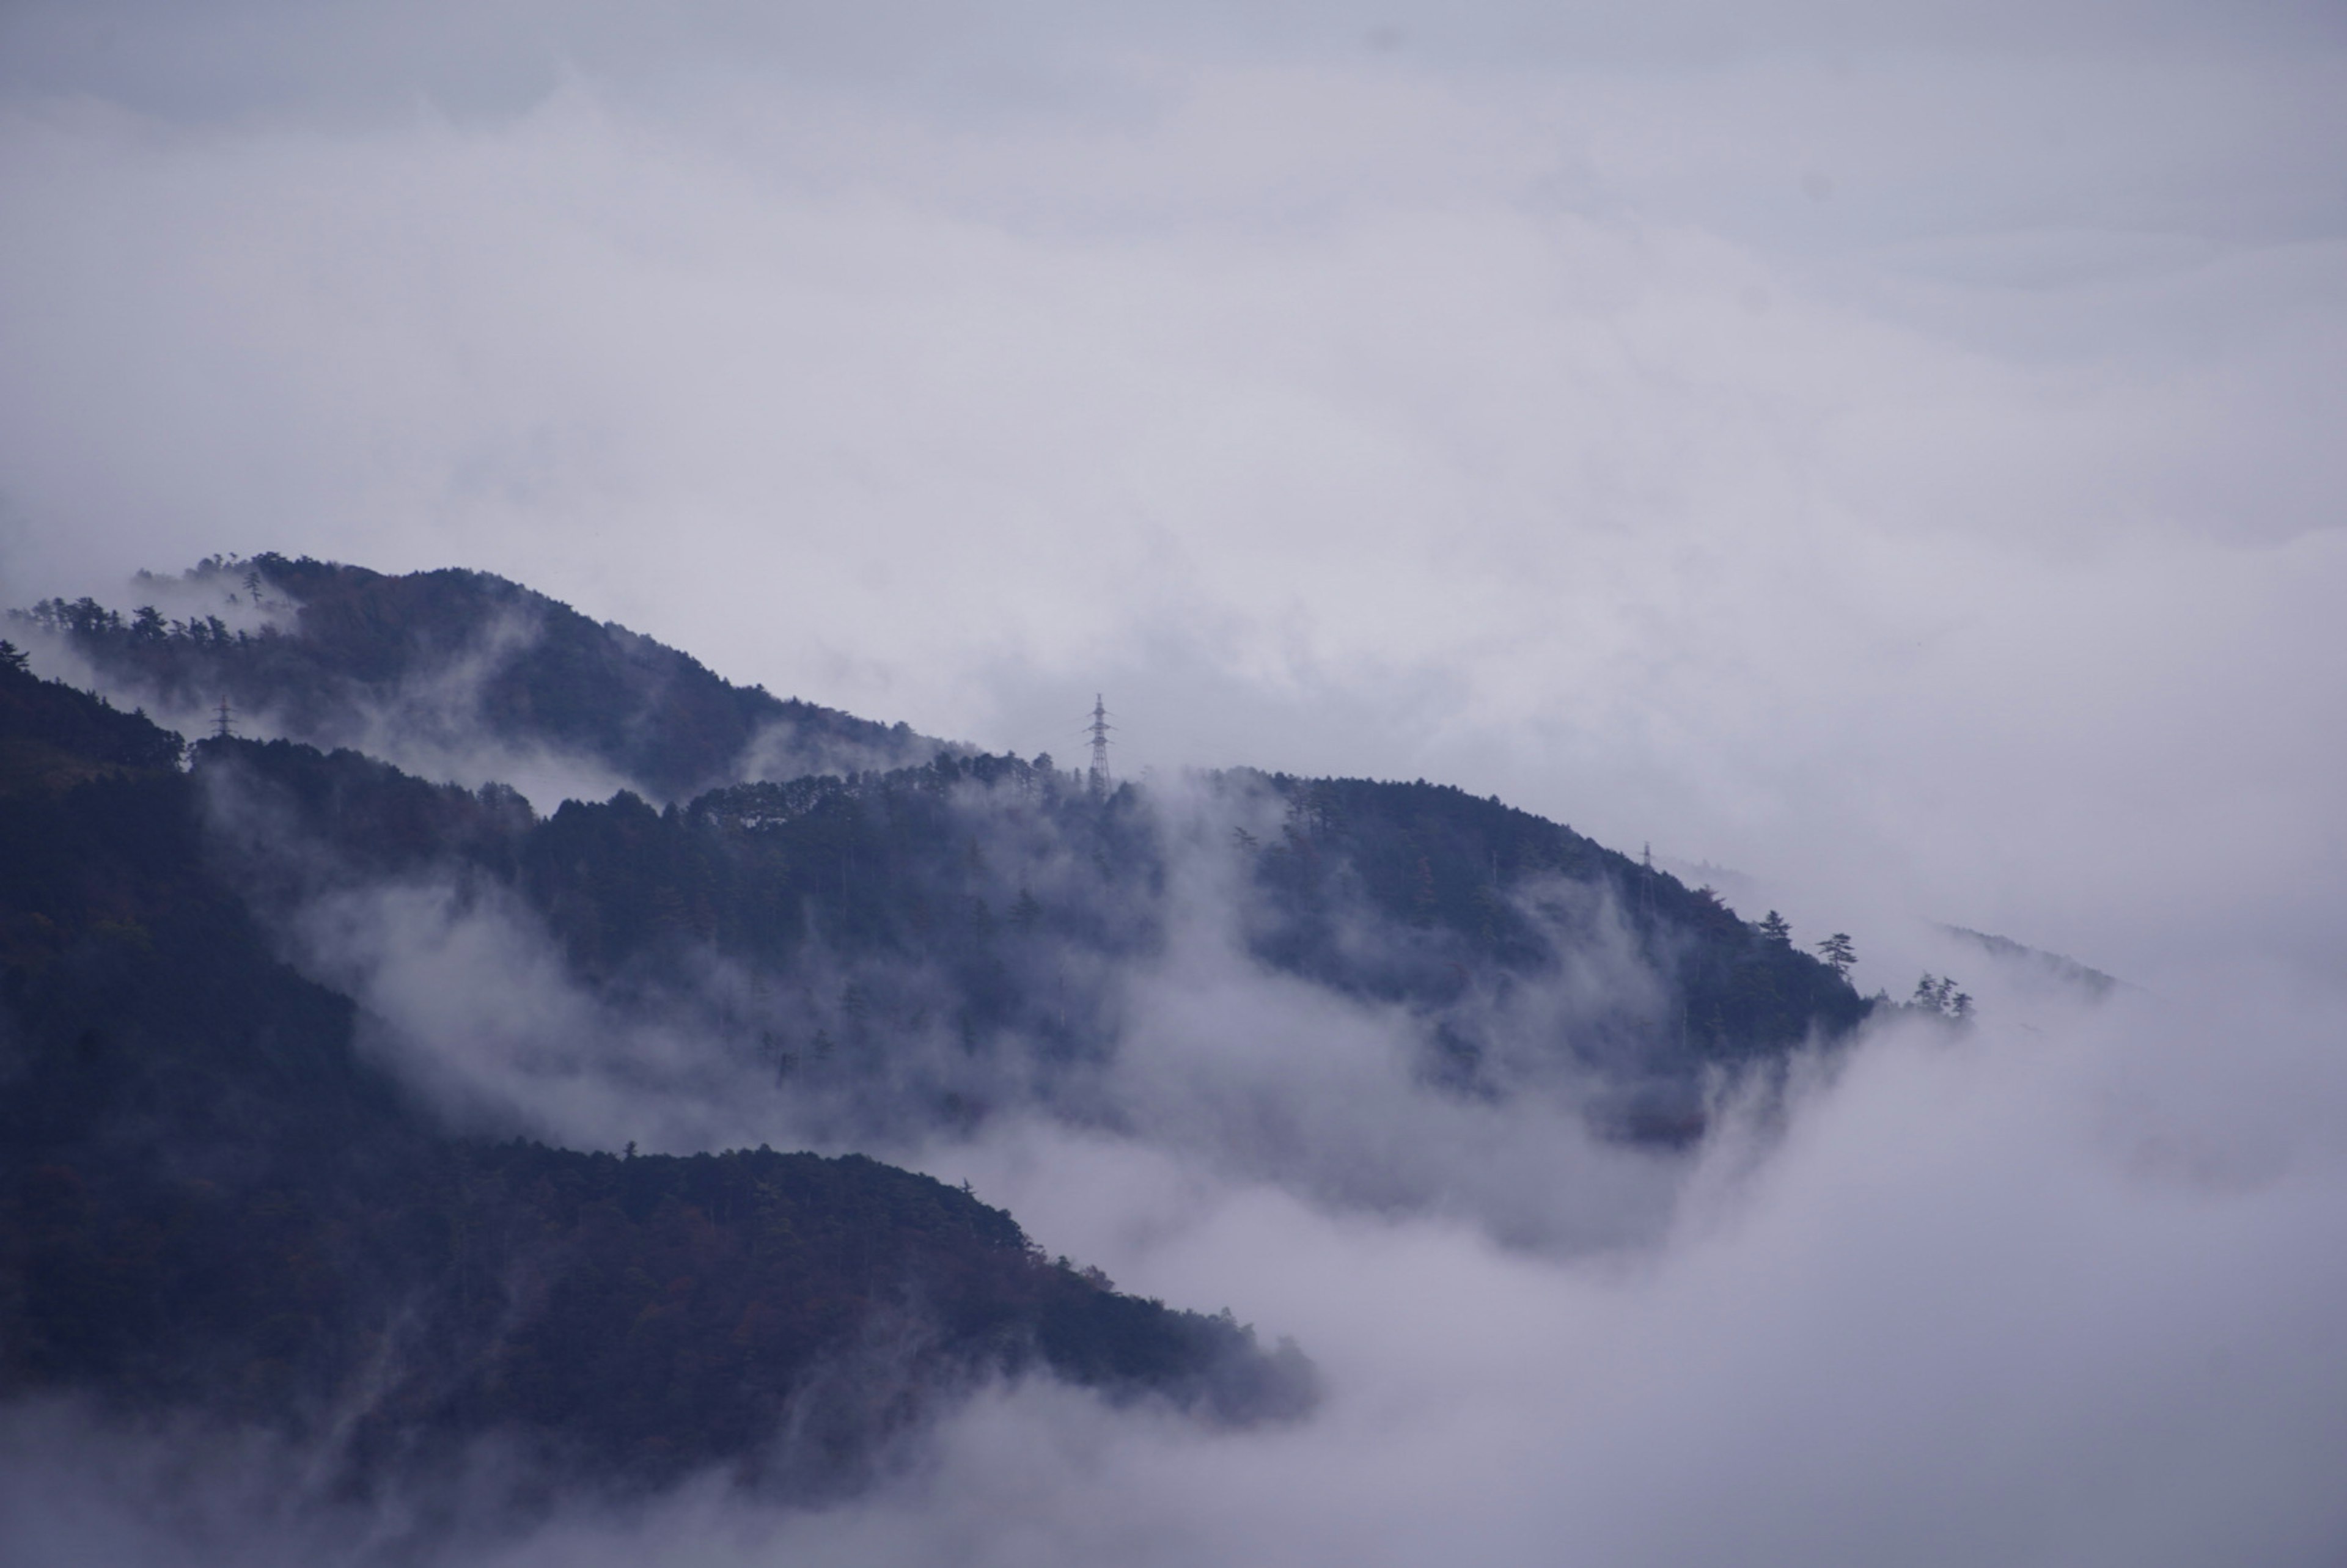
x: 210, y: 1202
x: 992, y: 902
x: 993, y: 872
x: 336, y: 654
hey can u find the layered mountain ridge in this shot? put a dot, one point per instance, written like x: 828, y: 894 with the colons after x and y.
x: 261, y: 1090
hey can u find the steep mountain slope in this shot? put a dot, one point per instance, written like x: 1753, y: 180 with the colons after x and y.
x: 209, y: 1201
x: 886, y: 953
x: 440, y: 664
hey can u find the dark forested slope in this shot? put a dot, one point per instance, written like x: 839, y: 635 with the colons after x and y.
x: 341, y: 656
x: 990, y: 903
x: 209, y: 1202
x: 1474, y: 892
x: 974, y: 892
x: 924, y: 944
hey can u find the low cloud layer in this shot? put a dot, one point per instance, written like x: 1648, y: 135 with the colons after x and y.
x: 2021, y: 1296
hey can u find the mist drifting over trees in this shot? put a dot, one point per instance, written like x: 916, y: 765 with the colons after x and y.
x: 1714, y: 930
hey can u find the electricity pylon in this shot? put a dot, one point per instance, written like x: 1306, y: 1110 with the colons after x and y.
x: 1100, y: 729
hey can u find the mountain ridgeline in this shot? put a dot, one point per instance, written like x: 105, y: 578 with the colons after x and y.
x: 217, y: 1195
x: 920, y: 947
x: 910, y: 888
x: 427, y: 663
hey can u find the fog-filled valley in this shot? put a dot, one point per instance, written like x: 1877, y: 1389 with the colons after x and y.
x: 1551, y: 1176
x: 1274, y: 786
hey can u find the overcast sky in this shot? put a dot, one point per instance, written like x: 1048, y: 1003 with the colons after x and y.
x: 1890, y: 451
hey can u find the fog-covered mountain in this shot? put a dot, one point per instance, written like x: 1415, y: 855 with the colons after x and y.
x: 394, y: 1115
x: 449, y: 670
x: 936, y: 941
x: 2035, y: 966
x: 1885, y: 458
x: 214, y: 1206
x: 933, y: 940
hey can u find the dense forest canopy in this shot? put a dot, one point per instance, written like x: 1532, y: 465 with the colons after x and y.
x: 992, y: 903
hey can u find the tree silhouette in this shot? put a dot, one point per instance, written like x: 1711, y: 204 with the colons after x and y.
x: 1937, y: 993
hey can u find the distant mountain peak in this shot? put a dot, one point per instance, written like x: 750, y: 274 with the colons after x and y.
x: 2056, y: 967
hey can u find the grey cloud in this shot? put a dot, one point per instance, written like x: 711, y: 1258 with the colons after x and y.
x: 1340, y: 446
x: 236, y: 56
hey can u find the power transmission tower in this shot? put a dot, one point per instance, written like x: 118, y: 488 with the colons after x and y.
x: 1100, y: 729
x: 223, y: 721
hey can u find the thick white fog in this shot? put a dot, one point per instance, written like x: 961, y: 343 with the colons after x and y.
x: 2033, y: 1298
x: 1889, y: 460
